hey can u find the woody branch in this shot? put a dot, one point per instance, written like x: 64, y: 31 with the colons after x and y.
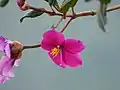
x: 80, y: 14
x: 84, y: 13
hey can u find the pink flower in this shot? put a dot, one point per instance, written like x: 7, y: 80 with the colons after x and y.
x: 12, y: 53
x: 23, y: 5
x: 63, y: 52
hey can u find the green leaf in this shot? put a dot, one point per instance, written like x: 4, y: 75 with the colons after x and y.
x: 52, y: 2
x: 102, y: 15
x: 3, y: 3
x: 70, y: 3
x: 66, y: 5
x: 65, y: 2
x: 73, y: 3
x: 31, y: 14
x: 105, y: 1
x: 88, y: 0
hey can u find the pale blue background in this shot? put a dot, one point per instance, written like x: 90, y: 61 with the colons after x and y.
x: 101, y: 69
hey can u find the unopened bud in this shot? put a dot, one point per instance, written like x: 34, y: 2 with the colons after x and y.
x: 23, y: 5
x: 16, y: 50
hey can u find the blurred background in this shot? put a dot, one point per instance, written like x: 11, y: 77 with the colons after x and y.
x: 37, y: 71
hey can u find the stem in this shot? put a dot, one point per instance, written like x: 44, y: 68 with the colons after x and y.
x: 66, y: 25
x: 85, y: 13
x: 116, y: 7
x: 58, y: 22
x: 73, y: 12
x: 52, y: 9
x: 31, y: 46
x: 93, y: 12
x: 45, y: 11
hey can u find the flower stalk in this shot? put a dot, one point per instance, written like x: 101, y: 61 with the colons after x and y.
x: 66, y: 25
x: 31, y: 46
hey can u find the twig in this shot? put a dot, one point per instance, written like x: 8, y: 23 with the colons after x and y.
x: 58, y: 22
x: 31, y: 46
x: 84, y: 13
x: 66, y: 25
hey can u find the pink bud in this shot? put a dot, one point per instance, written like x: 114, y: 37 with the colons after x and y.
x: 22, y: 5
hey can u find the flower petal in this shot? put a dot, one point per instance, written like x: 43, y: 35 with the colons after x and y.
x: 8, y: 41
x: 74, y: 46
x: 7, y: 70
x: 52, y: 37
x: 16, y: 64
x: 45, y: 45
x: 11, y: 74
x: 2, y: 79
x: 3, y: 62
x: 2, y: 43
x: 7, y: 50
x: 72, y: 60
x: 58, y: 59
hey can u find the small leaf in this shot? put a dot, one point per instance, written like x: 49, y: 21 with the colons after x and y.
x: 65, y: 7
x: 105, y: 1
x: 31, y: 14
x: 101, y: 14
x: 88, y: 0
x: 102, y: 18
x: 3, y: 3
x: 52, y: 2
x: 73, y: 3
x: 69, y: 3
x: 65, y: 2
x: 101, y: 21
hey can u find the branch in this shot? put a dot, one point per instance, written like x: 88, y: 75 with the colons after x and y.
x: 31, y: 46
x: 58, y: 23
x: 93, y: 12
x: 66, y: 25
x: 84, y: 13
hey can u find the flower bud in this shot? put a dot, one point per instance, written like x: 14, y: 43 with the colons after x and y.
x: 16, y: 50
x: 23, y: 5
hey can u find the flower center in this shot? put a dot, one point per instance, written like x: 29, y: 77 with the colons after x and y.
x: 55, y: 51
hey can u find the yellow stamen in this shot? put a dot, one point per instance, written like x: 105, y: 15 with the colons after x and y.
x: 55, y: 52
